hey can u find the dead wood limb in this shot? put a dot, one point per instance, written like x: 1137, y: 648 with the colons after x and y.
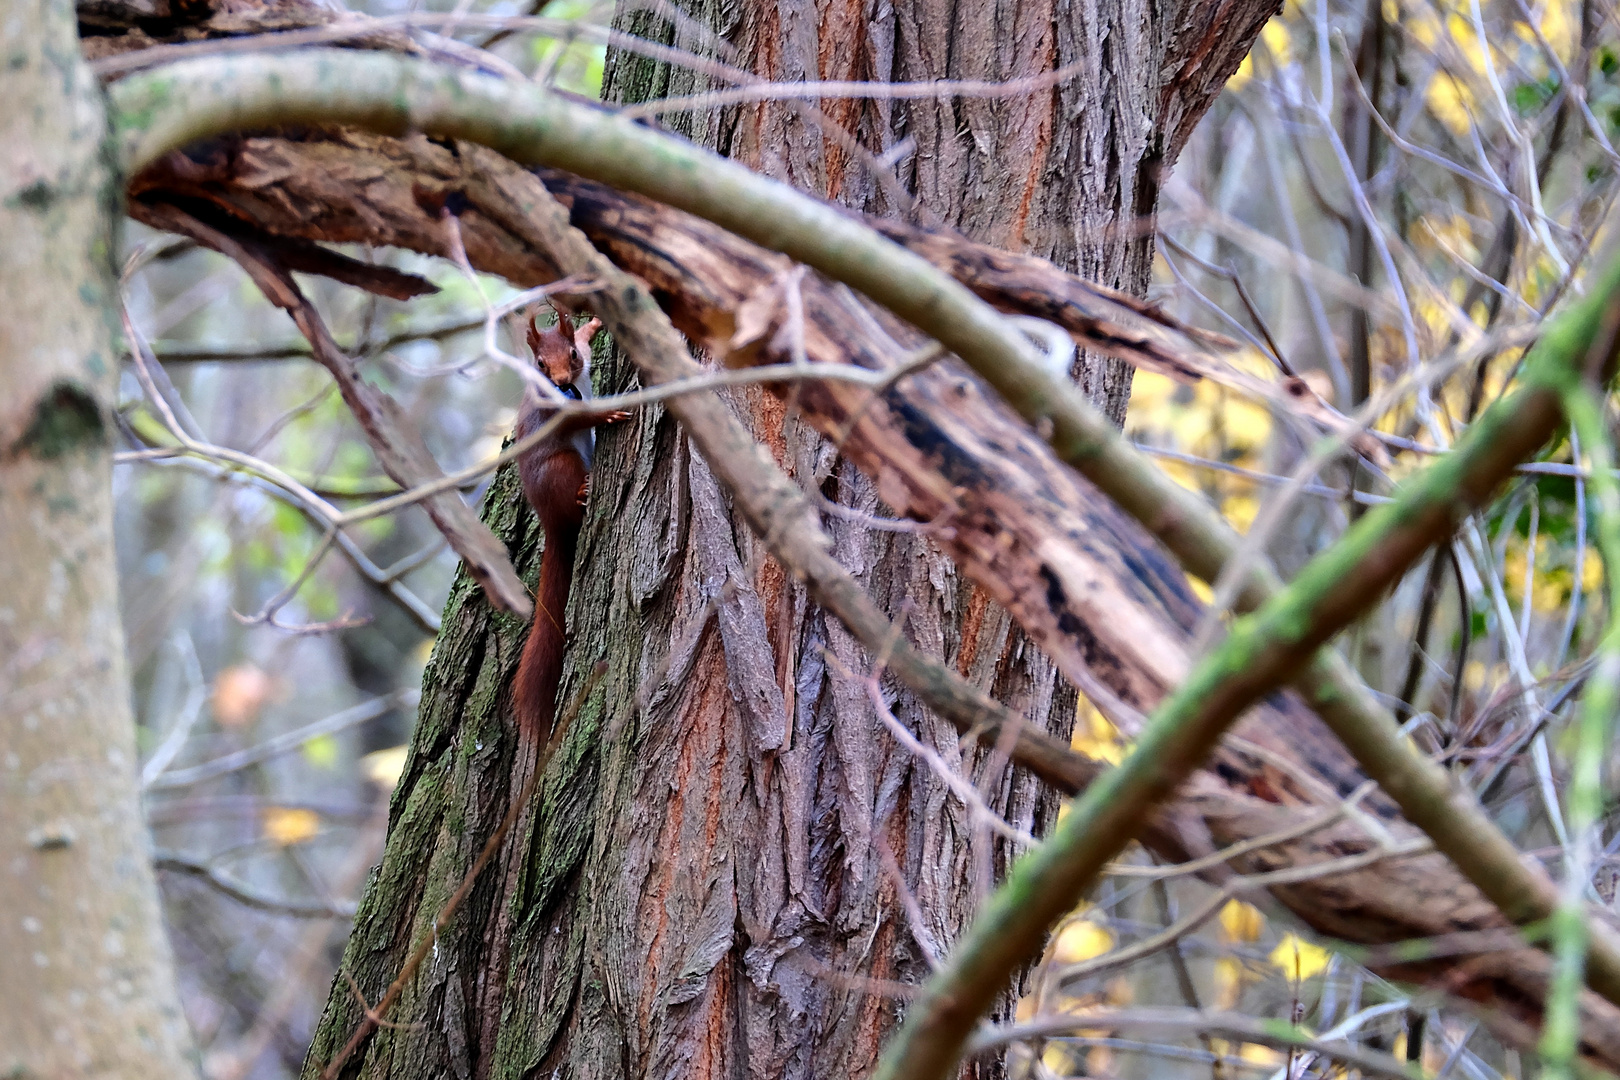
x: 399, y: 447
x: 1097, y: 593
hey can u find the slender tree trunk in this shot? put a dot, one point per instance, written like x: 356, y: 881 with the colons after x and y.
x: 89, y: 986
x: 732, y: 861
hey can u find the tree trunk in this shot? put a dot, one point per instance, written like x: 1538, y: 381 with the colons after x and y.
x: 89, y: 988
x: 731, y: 860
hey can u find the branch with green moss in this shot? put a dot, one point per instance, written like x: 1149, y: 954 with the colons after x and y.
x: 1263, y: 651
x: 169, y: 107
x: 1570, y: 938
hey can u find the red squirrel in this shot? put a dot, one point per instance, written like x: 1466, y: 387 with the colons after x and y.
x: 556, y: 480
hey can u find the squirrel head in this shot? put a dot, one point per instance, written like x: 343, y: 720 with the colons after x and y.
x: 554, y: 350
x: 562, y: 351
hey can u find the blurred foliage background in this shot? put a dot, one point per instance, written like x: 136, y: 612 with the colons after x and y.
x: 1384, y: 202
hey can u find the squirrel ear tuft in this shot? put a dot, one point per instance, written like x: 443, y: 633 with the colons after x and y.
x: 533, y: 336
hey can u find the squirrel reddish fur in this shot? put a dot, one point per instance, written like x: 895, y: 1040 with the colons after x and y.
x: 556, y: 480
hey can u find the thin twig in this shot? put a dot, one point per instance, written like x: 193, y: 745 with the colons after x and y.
x: 284, y: 743
x: 176, y: 863
x: 1227, y: 1025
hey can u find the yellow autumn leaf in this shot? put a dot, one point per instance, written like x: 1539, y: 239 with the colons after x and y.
x: 1248, y: 425
x: 1438, y: 231
x: 1422, y: 26
x: 1277, y: 39
x: 1560, y: 25
x: 1242, y: 922
x: 1244, y: 72
x: 1274, y: 36
x: 1095, y: 737
x: 1080, y: 940
x: 1263, y: 1056
x: 1150, y: 391
x: 1057, y: 1058
x: 1592, y: 570
x: 1299, y: 959
x: 1450, y: 103
x: 1461, y: 31
x: 1201, y: 589
x: 1229, y: 982
x: 1477, y: 675
x: 1240, y: 510
x: 385, y: 767
x: 286, y: 825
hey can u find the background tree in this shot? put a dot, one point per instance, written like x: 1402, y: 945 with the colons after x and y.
x: 90, y: 965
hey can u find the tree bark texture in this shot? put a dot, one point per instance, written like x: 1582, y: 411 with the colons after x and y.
x: 642, y: 925
x: 1066, y: 175
x: 89, y: 985
x: 730, y: 866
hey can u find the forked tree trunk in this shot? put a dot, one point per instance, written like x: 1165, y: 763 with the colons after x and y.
x: 731, y: 857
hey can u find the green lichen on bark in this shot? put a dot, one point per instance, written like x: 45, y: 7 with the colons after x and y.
x: 450, y: 795
x: 66, y: 418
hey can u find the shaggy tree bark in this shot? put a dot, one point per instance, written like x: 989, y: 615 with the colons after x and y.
x: 89, y: 988
x: 710, y: 869
x: 726, y: 854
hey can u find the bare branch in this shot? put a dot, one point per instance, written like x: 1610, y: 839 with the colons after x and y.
x: 284, y: 743
x: 245, y: 894
x: 395, y: 440
x: 1225, y: 1025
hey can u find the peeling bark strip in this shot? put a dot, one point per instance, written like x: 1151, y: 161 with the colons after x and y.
x: 1086, y: 582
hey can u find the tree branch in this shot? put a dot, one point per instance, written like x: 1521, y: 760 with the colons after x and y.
x: 1260, y: 653
x: 1227, y: 1025
x: 169, y: 107
x: 1573, y: 944
x: 175, y: 863
x: 394, y: 439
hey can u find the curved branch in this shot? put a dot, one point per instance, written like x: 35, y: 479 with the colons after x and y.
x: 169, y: 107
x: 221, y: 882
x: 1261, y: 653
